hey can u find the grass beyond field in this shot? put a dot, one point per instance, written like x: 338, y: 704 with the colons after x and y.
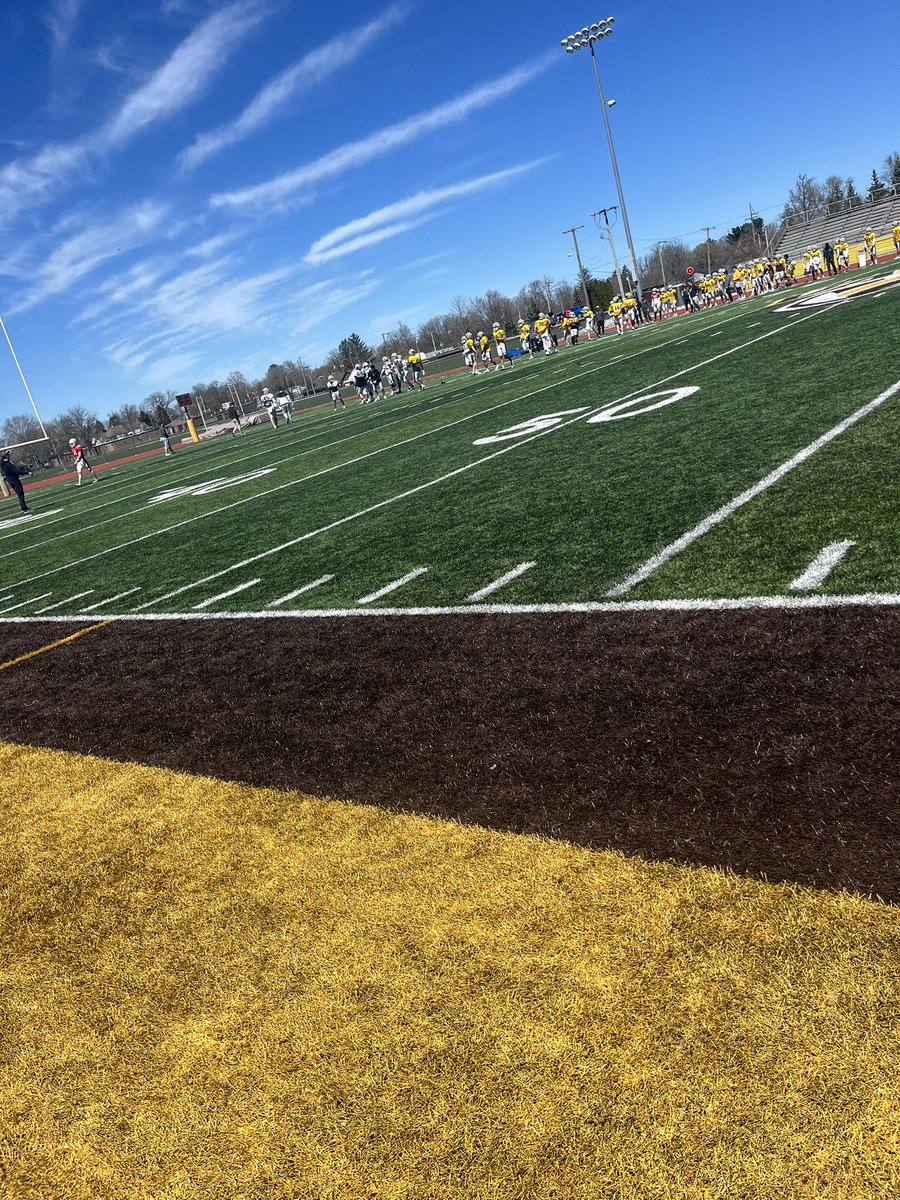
x: 567, y: 478
x: 217, y: 990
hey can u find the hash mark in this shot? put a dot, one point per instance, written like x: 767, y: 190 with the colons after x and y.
x: 60, y: 603
x: 821, y: 566
x: 501, y: 582
x: 33, y: 600
x: 392, y: 587
x: 109, y: 600
x: 307, y: 587
x: 224, y: 595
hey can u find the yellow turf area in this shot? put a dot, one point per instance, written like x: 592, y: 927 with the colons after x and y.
x: 217, y: 991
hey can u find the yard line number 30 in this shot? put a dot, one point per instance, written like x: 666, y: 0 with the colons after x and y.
x: 618, y: 410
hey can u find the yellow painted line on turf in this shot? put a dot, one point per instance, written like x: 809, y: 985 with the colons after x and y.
x: 13, y: 662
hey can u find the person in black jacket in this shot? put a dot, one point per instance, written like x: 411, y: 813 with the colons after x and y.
x: 11, y: 476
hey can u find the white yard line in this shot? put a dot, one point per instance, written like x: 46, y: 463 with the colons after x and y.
x: 621, y: 607
x: 242, y: 587
x: 110, y: 599
x: 392, y: 587
x: 723, y: 513
x: 338, y: 466
x: 68, y: 600
x: 25, y: 603
x: 432, y: 482
x: 501, y: 582
x: 307, y: 587
x: 821, y: 566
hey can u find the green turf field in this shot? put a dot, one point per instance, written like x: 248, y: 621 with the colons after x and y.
x: 613, y: 471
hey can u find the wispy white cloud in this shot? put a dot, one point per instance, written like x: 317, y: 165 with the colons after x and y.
x: 404, y: 215
x: 304, y: 75
x: 61, y: 19
x: 177, y: 83
x: 282, y: 189
x: 81, y: 253
x: 213, y: 245
x: 187, y: 72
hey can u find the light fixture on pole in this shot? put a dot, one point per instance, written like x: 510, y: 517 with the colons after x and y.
x: 584, y: 39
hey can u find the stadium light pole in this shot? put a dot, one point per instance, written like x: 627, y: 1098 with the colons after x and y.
x: 585, y: 38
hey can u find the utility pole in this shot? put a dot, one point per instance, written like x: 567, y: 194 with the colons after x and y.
x: 662, y: 269
x: 708, y: 229
x: 753, y: 228
x: 584, y: 291
x: 604, y: 213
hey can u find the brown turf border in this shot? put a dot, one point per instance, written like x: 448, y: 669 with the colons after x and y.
x: 764, y: 742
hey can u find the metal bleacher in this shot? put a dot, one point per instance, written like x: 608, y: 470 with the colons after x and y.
x: 851, y: 224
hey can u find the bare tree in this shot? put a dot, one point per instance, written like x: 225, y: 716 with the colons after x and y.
x: 891, y: 170
x: 20, y: 428
x: 806, y: 199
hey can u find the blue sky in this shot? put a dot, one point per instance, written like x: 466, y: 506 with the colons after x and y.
x: 189, y: 187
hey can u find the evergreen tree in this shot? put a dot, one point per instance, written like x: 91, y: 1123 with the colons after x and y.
x: 353, y: 350
x: 877, y: 190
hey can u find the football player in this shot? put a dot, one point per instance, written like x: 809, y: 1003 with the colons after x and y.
x: 81, y: 463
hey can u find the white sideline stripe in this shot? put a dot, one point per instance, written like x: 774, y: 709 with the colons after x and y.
x: 741, y: 604
x: 242, y: 587
x: 392, y: 587
x: 501, y: 582
x: 822, y: 566
x: 721, y: 514
x: 68, y: 600
x: 384, y: 449
x: 307, y: 587
x: 432, y: 482
x: 24, y: 603
x: 109, y: 600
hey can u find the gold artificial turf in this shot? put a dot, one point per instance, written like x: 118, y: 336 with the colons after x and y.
x: 219, y: 991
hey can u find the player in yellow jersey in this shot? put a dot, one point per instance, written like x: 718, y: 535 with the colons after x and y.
x: 525, y: 337
x: 542, y: 329
x: 842, y: 250
x: 499, y: 335
x: 416, y: 369
x: 470, y: 358
x: 587, y: 316
x: 616, y: 311
x: 871, y: 238
x: 484, y: 349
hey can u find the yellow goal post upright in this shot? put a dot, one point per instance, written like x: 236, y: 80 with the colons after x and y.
x: 35, y: 441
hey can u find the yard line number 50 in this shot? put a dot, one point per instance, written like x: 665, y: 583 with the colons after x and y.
x: 619, y: 410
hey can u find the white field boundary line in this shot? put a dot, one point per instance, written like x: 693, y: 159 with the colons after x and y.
x: 222, y: 464
x: 822, y: 566
x: 393, y: 586
x: 723, y: 513
x: 385, y: 449
x: 583, y: 416
x: 599, y: 607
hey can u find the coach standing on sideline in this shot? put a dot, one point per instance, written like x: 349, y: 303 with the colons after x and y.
x: 11, y: 476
